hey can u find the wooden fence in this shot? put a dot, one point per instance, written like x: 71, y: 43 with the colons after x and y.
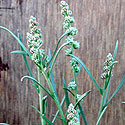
x: 100, y: 24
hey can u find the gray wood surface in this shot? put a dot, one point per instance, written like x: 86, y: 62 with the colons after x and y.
x: 100, y: 23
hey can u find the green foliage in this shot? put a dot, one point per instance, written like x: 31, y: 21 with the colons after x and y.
x: 82, y: 96
x: 45, y: 64
x: 66, y: 94
x: 103, y: 111
x: 86, y: 69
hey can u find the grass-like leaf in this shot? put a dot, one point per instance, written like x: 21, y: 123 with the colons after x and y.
x: 69, y: 91
x: 27, y: 64
x: 58, y: 117
x: 120, y: 85
x: 18, y: 40
x: 109, y: 79
x: 43, y: 116
x: 64, y: 100
x: 51, y: 74
x: 46, y: 90
x: 86, y: 69
x: 66, y: 93
x: 81, y: 97
x: 82, y: 113
x: 58, y: 45
x: 18, y: 52
x: 98, y: 121
x: 58, y: 110
x: 115, y: 51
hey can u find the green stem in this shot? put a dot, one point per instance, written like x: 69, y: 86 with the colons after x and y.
x: 76, y: 85
x: 58, y: 110
x: 54, y: 96
x: 40, y: 97
x: 103, y: 98
x: 58, y: 45
x: 102, y: 101
x: 57, y: 55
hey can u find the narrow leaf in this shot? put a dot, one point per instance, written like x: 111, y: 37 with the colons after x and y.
x: 58, y: 110
x: 36, y: 109
x: 66, y: 93
x: 81, y: 97
x: 51, y: 75
x: 58, y: 117
x: 43, y: 116
x: 46, y: 90
x: 86, y: 69
x: 58, y: 45
x: 69, y: 91
x: 115, y: 51
x: 64, y: 100
x: 19, y: 52
x: 107, y: 92
x: 98, y: 122
x: 120, y: 85
x: 109, y: 79
x: 21, y: 44
x: 82, y: 113
x: 27, y: 64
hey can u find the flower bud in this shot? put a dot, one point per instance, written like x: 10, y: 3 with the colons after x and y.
x: 72, y: 85
x: 69, y: 12
x: 76, y: 45
x: 72, y: 115
x: 68, y: 51
x: 73, y: 30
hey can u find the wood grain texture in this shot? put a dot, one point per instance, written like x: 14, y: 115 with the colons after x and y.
x: 100, y: 23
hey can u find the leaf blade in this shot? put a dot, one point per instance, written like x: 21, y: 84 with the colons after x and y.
x: 43, y: 116
x: 51, y: 75
x: 109, y: 79
x: 66, y: 93
x: 46, y: 90
x: 98, y: 121
x: 82, y: 113
x: 86, y: 69
x: 118, y: 88
x: 21, y: 44
x: 58, y: 110
x: 27, y: 64
x: 18, y: 52
x: 82, y: 96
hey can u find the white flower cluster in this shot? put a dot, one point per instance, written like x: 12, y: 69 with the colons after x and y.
x: 107, y: 66
x: 72, y: 116
x: 34, y: 40
x: 74, y: 64
x: 72, y: 85
x: 72, y: 31
x: 68, y: 20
